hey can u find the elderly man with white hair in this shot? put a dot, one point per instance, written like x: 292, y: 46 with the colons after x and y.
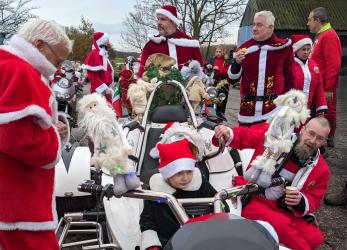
x: 31, y: 135
x: 171, y: 41
x: 265, y: 65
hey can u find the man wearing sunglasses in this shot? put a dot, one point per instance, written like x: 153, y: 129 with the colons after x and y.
x: 31, y: 135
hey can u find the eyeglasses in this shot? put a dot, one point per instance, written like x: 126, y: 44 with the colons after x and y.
x: 58, y: 60
x: 311, y: 134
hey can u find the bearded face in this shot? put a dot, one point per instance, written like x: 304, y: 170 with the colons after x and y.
x: 304, y: 149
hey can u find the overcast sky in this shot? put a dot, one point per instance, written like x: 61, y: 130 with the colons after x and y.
x: 106, y: 15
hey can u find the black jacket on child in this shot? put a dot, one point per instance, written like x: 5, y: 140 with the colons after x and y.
x: 158, y: 224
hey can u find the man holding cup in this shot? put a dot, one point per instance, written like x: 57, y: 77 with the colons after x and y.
x: 289, y: 210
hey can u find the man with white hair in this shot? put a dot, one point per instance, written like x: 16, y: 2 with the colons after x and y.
x: 31, y: 135
x: 265, y: 66
x: 170, y: 40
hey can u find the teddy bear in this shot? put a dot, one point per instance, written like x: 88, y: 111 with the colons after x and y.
x: 292, y: 113
x: 111, y: 148
x: 196, y: 92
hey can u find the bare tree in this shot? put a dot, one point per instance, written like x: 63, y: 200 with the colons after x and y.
x: 204, y: 20
x: 12, y: 14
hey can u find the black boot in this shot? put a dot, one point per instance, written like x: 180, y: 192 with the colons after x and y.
x: 339, y: 199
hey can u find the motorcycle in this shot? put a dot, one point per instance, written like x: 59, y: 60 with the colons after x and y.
x: 122, y: 214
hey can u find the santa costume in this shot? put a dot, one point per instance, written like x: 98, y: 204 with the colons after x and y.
x: 157, y: 221
x: 307, y: 76
x: 266, y: 72
x: 327, y: 54
x: 311, y: 178
x: 29, y: 148
x: 126, y: 77
x: 98, y: 66
x: 179, y: 45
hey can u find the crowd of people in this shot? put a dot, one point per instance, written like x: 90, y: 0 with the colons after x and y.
x: 32, y: 133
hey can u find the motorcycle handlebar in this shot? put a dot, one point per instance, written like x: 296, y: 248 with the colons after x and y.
x: 89, y: 186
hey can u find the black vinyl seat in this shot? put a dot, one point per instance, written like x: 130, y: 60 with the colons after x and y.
x: 161, y: 114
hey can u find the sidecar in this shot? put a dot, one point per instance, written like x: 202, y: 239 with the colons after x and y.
x: 123, y: 213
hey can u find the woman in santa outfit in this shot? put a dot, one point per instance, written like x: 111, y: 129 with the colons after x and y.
x: 307, y: 74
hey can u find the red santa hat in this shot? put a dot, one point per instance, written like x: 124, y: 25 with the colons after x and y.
x: 299, y: 41
x: 175, y: 157
x: 170, y: 12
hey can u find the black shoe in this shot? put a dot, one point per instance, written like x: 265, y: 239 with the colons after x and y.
x: 330, y: 142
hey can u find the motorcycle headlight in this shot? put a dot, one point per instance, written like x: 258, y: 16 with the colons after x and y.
x: 67, y: 96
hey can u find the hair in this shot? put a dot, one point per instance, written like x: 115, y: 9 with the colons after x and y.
x: 221, y: 47
x: 270, y: 18
x: 321, y: 121
x: 321, y: 14
x: 47, y: 31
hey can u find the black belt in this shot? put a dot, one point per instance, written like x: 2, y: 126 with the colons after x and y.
x: 259, y: 98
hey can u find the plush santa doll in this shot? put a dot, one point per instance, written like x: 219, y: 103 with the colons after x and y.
x: 111, y: 149
x: 98, y: 66
x: 126, y: 77
x: 292, y: 114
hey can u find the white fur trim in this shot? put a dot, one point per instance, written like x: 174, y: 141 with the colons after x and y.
x: 302, y: 42
x: 307, y: 204
x: 169, y: 15
x: 45, y: 120
x: 157, y: 39
x: 158, y: 183
x: 173, y: 52
x: 176, y: 166
x: 101, y: 88
x: 324, y: 107
x: 234, y: 76
x: 103, y: 39
x: 256, y: 117
x: 184, y: 42
x: 307, y: 76
x: 273, y: 48
x: 22, y: 48
x: 149, y: 238
x: 261, y: 81
x: 252, y: 49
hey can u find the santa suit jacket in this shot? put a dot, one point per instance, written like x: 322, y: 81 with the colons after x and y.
x: 158, y: 224
x: 312, y: 180
x: 327, y: 54
x: 179, y: 46
x: 266, y: 72
x: 309, y: 81
x: 29, y: 140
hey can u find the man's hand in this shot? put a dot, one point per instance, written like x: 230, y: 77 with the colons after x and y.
x: 62, y: 129
x: 240, y: 56
x: 329, y: 96
x: 292, y: 197
x: 107, y: 92
x: 222, y: 131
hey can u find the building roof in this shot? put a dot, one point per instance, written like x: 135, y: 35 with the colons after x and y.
x: 292, y: 14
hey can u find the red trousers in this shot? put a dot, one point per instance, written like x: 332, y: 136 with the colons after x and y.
x: 294, y: 232
x: 331, y: 114
x: 28, y: 240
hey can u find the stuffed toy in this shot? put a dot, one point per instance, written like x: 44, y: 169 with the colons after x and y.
x: 126, y: 77
x: 138, y: 94
x: 162, y: 62
x: 111, y: 149
x: 292, y: 114
x: 194, y: 69
x: 196, y: 92
x: 175, y: 131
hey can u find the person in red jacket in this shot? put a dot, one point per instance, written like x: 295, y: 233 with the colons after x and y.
x: 288, y: 210
x: 327, y: 54
x: 265, y: 65
x: 307, y: 74
x: 98, y: 66
x: 170, y: 40
x: 31, y: 135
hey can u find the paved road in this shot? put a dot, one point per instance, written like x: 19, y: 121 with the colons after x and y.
x: 332, y: 220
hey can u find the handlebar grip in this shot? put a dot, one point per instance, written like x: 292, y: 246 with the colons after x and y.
x: 89, y: 186
x: 277, y: 181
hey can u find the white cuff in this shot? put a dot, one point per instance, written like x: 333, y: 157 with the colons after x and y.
x: 234, y: 76
x: 101, y: 88
x: 149, y: 238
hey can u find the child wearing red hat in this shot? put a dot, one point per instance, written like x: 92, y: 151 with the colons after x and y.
x: 307, y: 74
x: 179, y: 177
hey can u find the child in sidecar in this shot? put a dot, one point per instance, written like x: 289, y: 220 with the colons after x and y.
x: 177, y: 176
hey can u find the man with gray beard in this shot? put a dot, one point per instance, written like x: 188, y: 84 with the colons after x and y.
x: 288, y: 210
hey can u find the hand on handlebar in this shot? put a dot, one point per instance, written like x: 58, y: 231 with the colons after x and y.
x: 222, y: 131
